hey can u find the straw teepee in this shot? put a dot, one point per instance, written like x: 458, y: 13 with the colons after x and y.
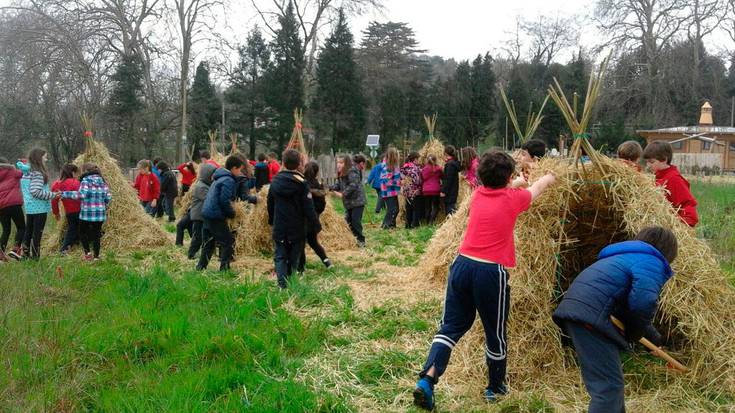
x: 214, y: 152
x: 433, y: 145
x: 128, y: 227
x: 591, y: 206
x: 251, y: 222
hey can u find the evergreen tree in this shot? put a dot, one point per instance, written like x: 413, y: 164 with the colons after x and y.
x: 483, y: 108
x: 339, y: 101
x: 247, y: 93
x: 125, y: 105
x: 285, y: 78
x: 205, y: 108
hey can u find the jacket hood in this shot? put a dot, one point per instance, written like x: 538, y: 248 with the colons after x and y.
x: 206, y: 171
x: 287, y: 183
x: 261, y: 165
x: 222, y: 173
x: 94, y: 177
x: 636, y: 247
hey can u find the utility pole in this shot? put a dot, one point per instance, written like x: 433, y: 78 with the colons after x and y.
x: 732, y: 112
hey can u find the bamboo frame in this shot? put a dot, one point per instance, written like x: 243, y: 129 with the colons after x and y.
x: 533, y: 120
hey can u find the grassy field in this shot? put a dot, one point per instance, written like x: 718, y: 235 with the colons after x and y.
x: 145, y: 333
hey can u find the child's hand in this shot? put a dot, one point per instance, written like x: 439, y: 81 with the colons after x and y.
x: 442, y: 194
x: 337, y: 194
x: 154, y: 203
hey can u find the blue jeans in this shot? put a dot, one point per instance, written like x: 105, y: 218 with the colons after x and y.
x: 602, y: 371
x: 480, y: 287
x: 149, y: 209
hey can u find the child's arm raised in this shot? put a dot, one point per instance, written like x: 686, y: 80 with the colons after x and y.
x: 540, y: 186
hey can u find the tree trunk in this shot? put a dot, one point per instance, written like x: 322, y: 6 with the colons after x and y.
x: 183, y: 92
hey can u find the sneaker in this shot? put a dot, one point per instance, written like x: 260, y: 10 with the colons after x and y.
x: 87, y: 257
x: 328, y: 263
x: 492, y: 396
x: 423, y: 394
x: 16, y: 253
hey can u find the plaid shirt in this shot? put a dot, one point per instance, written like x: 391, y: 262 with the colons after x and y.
x: 390, y: 183
x: 95, y: 195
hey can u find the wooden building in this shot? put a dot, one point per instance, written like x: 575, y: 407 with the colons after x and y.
x: 703, y: 145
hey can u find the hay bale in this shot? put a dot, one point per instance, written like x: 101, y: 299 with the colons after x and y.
x: 254, y: 234
x: 432, y: 147
x: 562, y: 232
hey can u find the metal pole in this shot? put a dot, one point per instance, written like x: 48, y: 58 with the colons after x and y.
x: 732, y: 112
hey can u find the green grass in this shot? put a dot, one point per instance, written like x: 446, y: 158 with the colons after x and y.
x: 717, y: 220
x: 104, y: 338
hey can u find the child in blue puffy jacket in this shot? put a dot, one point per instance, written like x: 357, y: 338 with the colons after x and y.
x: 625, y: 282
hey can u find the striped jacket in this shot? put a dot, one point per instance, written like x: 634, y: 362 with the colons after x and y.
x: 36, y: 193
x: 95, y: 196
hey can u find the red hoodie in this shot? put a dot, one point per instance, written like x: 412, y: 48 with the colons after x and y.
x: 678, y: 194
x: 187, y: 177
x: 273, y: 169
x: 10, y: 194
x: 148, y: 186
x: 71, y: 206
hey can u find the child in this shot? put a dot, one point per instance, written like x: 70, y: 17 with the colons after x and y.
x: 318, y: 194
x: 478, y: 278
x: 198, y: 196
x: 469, y: 165
x: 349, y: 188
x: 37, y: 200
x: 188, y: 176
x: 412, y: 181
x: 95, y: 196
x: 11, y: 209
x: 290, y: 213
x: 374, y: 181
x: 625, y: 282
x: 273, y: 166
x: 169, y: 190
x: 630, y: 152
x: 450, y: 180
x: 531, y: 151
x: 658, y: 155
x: 207, y: 158
x: 148, y: 187
x: 261, y: 173
x: 216, y: 210
x: 68, y: 182
x: 431, y: 176
x: 390, y: 185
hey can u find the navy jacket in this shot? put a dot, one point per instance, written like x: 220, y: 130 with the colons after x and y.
x: 625, y: 282
x: 290, y: 208
x: 243, y: 190
x: 169, y: 184
x: 218, y: 204
x: 261, y: 175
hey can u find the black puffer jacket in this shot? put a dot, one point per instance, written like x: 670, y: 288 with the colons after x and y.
x: 353, y: 193
x: 290, y: 207
x: 450, y: 181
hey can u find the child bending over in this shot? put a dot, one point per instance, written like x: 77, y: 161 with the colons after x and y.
x: 630, y: 152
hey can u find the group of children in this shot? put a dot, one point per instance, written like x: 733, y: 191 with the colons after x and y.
x: 26, y: 198
x: 625, y: 282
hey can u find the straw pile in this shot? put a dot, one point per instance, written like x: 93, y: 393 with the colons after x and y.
x: 215, y: 154
x: 433, y: 146
x: 560, y: 234
x: 128, y: 227
x: 254, y: 233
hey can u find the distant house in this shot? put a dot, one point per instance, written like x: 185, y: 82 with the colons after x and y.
x: 703, y: 145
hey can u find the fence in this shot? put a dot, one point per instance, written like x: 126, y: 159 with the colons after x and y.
x: 694, y: 163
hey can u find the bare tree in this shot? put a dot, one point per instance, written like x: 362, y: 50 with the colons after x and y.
x: 549, y: 36
x: 705, y: 17
x: 194, y: 19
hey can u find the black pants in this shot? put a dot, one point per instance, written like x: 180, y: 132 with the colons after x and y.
x: 414, y: 212
x: 15, y: 215
x: 354, y: 220
x: 313, y: 241
x: 71, y: 237
x: 184, y: 189
x: 216, y: 231
x: 159, y: 209
x: 431, y: 208
x: 168, y: 207
x: 196, y: 238
x: 602, y: 372
x: 35, y: 223
x: 391, y: 204
x: 450, y: 206
x: 184, y: 225
x: 91, y: 234
x: 286, y: 259
x: 473, y: 286
x: 380, y: 204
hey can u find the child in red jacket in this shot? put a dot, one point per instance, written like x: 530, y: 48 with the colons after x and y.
x: 68, y: 182
x: 658, y: 155
x: 148, y: 187
x: 188, y: 176
x: 11, y: 209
